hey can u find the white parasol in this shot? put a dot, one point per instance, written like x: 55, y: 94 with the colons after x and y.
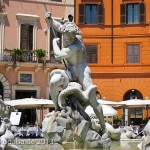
x: 107, y: 102
x: 134, y: 103
x: 107, y: 110
x: 30, y: 103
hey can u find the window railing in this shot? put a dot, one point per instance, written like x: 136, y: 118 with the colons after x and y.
x: 28, y: 56
x: 53, y: 59
x: 6, y: 56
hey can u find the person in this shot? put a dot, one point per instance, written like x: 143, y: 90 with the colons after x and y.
x: 73, y: 54
x: 98, y: 95
x: 140, y: 130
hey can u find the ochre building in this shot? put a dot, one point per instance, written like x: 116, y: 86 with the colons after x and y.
x: 117, y: 37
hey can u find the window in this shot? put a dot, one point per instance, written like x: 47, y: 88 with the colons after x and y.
x: 2, y: 31
x: 91, y: 53
x: 91, y: 14
x: 133, y: 53
x: 26, y: 38
x: 25, y: 77
x: 27, y: 31
x: 52, y: 57
x: 132, y: 13
x: 90, y: 11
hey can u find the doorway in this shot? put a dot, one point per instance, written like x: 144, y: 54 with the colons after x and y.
x: 28, y: 115
x: 133, y: 114
x: 25, y: 94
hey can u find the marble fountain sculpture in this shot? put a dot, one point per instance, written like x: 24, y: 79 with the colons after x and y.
x: 145, y: 144
x: 71, y: 90
x: 6, y: 136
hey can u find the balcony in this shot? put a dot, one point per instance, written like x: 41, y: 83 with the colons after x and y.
x: 27, y: 56
x: 28, y: 59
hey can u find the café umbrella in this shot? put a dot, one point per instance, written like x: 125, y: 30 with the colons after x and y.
x: 107, y: 110
x: 27, y: 103
x: 30, y: 103
x: 107, y: 102
x: 134, y: 103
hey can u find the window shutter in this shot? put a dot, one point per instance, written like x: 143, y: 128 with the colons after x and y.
x: 91, y: 53
x: 24, y: 35
x: 52, y: 57
x: 122, y: 14
x: 26, y: 41
x: 100, y: 14
x: 81, y: 13
x: 133, y: 53
x: 30, y: 37
x: 142, y: 13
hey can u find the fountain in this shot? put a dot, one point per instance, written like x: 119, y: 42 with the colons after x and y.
x: 145, y: 144
x: 6, y: 136
x: 72, y: 90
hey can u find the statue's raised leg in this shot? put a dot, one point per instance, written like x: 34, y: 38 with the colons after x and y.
x: 91, y: 93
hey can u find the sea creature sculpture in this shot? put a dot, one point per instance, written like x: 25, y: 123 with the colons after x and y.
x: 6, y: 136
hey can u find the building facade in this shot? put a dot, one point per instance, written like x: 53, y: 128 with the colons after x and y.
x: 23, y: 26
x: 116, y: 34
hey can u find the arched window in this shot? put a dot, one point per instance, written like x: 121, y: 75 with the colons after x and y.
x: 132, y: 94
x: 133, y: 114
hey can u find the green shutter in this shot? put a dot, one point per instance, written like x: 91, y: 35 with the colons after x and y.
x: 81, y: 13
x: 100, y: 14
x: 122, y: 14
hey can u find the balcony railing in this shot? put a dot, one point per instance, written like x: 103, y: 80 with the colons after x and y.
x: 28, y: 56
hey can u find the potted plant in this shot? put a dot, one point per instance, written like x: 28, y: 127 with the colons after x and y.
x: 40, y: 54
x: 17, y: 54
x: 117, y: 121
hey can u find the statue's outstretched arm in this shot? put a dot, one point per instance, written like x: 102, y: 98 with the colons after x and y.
x: 52, y: 22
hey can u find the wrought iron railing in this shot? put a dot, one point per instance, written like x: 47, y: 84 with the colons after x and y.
x: 28, y: 56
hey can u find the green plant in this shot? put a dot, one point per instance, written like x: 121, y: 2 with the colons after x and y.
x: 17, y: 54
x: 117, y: 120
x: 40, y: 53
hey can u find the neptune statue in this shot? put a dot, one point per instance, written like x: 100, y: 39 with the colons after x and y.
x: 71, y: 90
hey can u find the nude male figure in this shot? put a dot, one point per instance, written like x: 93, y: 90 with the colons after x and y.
x: 74, y: 55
